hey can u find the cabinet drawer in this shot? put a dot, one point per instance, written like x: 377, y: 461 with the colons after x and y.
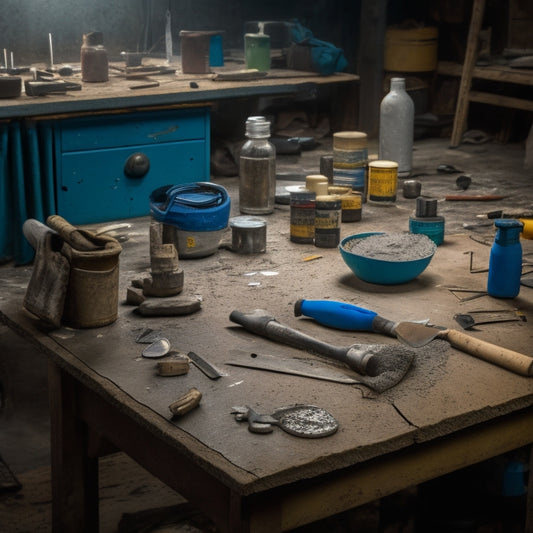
x: 149, y: 127
x: 93, y: 185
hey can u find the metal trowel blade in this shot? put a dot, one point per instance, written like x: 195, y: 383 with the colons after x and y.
x: 289, y: 365
x: 317, y: 370
x: 416, y: 335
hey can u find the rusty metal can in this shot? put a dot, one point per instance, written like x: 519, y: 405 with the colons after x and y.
x: 302, y: 216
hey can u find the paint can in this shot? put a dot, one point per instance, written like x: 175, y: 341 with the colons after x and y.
x: 328, y: 210
x: 382, y: 181
x: 302, y: 216
x: 248, y: 234
x: 350, y: 160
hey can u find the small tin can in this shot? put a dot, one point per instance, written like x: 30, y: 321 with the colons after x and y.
x: 248, y: 234
x: 328, y: 221
x: 302, y: 206
x: 382, y: 181
x: 352, y: 207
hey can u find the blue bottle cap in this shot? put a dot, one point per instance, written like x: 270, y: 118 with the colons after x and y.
x: 508, y: 230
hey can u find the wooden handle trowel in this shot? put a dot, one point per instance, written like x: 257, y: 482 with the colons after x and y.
x: 350, y: 317
x: 418, y: 335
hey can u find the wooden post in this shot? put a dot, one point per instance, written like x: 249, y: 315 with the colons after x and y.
x: 461, y: 111
x: 371, y: 52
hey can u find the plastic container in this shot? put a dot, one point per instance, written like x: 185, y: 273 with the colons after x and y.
x: 527, y: 230
x: 194, y: 215
x: 396, y: 127
x: 505, y: 263
x: 257, y: 169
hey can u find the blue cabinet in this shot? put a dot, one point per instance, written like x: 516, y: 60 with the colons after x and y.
x: 107, y: 166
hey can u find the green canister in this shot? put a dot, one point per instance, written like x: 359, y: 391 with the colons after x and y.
x: 257, y: 51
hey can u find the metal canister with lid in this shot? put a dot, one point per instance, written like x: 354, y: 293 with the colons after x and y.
x: 382, y: 181
x: 303, y: 216
x: 350, y: 160
x: 328, y: 221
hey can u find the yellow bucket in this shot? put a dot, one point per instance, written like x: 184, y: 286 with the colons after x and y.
x: 411, y: 50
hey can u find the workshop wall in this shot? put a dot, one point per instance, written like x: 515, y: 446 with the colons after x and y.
x: 138, y: 25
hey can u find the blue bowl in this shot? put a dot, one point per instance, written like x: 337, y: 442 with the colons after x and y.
x: 381, y: 271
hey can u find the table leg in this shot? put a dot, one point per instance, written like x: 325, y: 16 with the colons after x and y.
x: 74, y: 474
x: 529, y: 500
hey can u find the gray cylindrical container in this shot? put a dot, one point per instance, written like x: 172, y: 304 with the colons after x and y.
x: 396, y: 127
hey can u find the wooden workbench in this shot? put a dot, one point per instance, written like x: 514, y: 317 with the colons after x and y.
x: 450, y: 411
x: 173, y: 90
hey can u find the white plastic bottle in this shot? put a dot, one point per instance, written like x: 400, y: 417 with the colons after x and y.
x: 396, y: 127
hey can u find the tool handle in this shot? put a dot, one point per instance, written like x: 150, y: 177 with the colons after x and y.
x: 71, y: 234
x: 509, y: 359
x: 337, y: 315
x: 267, y: 326
x: 346, y: 316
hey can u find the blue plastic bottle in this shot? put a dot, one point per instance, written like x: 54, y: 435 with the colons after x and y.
x: 505, y: 264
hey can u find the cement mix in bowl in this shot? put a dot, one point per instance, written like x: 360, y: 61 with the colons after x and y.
x: 392, y: 246
x: 387, y: 258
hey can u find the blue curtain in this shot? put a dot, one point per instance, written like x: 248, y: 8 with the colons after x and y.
x: 26, y: 184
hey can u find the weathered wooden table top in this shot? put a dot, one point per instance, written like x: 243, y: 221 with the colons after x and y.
x: 444, y: 391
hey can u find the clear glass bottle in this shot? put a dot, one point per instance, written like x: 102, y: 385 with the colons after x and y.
x: 396, y: 127
x: 257, y: 169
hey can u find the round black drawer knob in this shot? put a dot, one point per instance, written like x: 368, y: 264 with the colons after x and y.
x: 137, y: 165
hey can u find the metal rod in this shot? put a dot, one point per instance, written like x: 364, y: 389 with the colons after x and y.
x: 51, y: 51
